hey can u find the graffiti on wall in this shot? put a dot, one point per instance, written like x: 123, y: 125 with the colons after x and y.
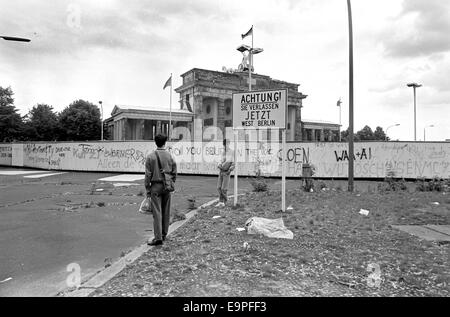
x: 372, y: 160
x: 5, y: 154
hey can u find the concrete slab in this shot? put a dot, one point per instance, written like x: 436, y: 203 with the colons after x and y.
x: 43, y: 175
x: 123, y: 178
x: 18, y: 172
x: 445, y: 229
x: 424, y: 233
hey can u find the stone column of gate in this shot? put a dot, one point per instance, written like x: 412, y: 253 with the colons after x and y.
x: 141, y: 125
x: 298, y: 124
x: 124, y: 129
x: 322, y: 135
x: 198, y: 118
x: 221, y: 115
x: 158, y: 127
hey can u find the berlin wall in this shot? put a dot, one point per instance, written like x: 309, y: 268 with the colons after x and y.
x: 372, y: 159
x: 5, y: 154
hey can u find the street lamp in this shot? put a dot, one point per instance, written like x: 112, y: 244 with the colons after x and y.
x: 101, y: 120
x: 395, y: 125
x: 414, y: 85
x: 428, y: 126
x: 251, y: 51
x: 339, y: 103
x: 16, y: 39
x: 350, y: 128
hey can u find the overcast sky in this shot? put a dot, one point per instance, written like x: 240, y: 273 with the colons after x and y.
x: 122, y: 52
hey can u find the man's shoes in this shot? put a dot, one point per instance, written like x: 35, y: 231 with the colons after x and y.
x: 221, y: 204
x: 155, y: 242
x: 164, y: 238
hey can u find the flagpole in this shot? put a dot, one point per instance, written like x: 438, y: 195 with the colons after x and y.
x: 251, y: 65
x: 170, y: 112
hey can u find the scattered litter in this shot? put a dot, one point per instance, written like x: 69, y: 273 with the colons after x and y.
x: 246, y: 245
x: 272, y: 228
x: 290, y: 208
x: 364, y: 212
x: 217, y: 217
x: 99, y: 190
x: 6, y: 280
x: 240, y: 229
x: 311, y: 190
x: 436, y: 203
x: 358, y: 195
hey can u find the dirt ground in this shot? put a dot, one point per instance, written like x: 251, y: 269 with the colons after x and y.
x: 335, y: 251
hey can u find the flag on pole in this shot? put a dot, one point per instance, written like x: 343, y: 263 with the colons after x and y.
x: 339, y: 103
x: 250, y: 32
x: 168, y: 82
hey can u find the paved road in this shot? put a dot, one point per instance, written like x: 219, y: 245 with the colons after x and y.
x: 45, y: 224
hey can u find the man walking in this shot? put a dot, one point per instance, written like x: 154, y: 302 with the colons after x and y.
x: 158, y: 160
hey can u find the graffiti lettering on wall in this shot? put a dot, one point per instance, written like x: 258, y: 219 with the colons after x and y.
x: 5, y: 154
x: 375, y: 159
x: 364, y: 154
x: 5, y: 151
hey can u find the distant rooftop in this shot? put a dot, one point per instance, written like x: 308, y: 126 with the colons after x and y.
x: 149, y: 108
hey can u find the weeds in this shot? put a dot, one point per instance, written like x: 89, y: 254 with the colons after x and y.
x: 259, y: 182
x: 391, y: 184
x: 435, y: 185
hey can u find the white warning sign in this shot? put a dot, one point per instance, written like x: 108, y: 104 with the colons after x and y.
x: 260, y: 109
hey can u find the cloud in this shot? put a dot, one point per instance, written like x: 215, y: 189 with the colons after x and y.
x: 422, y: 28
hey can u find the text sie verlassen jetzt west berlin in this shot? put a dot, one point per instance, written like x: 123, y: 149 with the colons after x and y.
x: 258, y: 108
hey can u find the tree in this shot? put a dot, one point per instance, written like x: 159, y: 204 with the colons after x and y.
x: 41, y: 124
x: 345, y: 134
x: 80, y: 121
x: 366, y: 134
x: 11, y: 124
x: 379, y: 134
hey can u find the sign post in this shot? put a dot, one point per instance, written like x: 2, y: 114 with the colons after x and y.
x: 236, y: 173
x: 283, y: 171
x: 263, y: 109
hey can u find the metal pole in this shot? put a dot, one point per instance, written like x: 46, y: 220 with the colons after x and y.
x: 283, y: 172
x: 236, y: 167
x: 101, y: 120
x: 351, y: 145
x: 424, y: 134
x: 340, y: 123
x: 170, y: 112
x: 415, y: 127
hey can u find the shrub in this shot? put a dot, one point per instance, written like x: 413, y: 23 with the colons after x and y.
x: 435, y: 185
x: 259, y: 182
x: 392, y: 184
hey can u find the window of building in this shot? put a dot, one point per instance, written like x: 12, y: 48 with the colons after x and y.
x: 228, y: 110
x: 208, y: 109
x: 208, y: 122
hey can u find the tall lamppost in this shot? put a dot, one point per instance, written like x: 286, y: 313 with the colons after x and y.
x: 339, y: 103
x: 251, y: 51
x: 386, y: 134
x: 414, y: 85
x: 351, y: 100
x: 16, y: 39
x: 428, y: 126
x: 101, y: 120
